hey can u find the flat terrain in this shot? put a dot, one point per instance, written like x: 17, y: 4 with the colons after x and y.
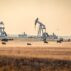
x: 18, y: 56
x: 33, y: 64
x: 37, y: 49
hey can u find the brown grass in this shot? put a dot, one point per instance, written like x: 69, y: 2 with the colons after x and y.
x: 33, y: 64
x: 17, y: 56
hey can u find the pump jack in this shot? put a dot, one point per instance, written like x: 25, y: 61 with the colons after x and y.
x: 42, y: 30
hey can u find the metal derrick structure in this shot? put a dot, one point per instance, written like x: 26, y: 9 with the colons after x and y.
x: 2, y: 32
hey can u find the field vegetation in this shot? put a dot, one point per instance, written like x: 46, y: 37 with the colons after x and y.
x: 33, y: 64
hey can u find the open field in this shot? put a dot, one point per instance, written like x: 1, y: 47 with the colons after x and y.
x: 42, y: 50
x: 33, y: 64
x: 18, y: 56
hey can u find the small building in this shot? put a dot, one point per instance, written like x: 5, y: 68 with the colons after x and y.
x: 24, y: 35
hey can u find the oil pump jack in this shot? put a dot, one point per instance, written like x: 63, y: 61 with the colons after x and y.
x: 42, y: 27
x: 3, y: 34
x: 42, y: 30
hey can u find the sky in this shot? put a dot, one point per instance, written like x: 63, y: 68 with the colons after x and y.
x: 19, y: 16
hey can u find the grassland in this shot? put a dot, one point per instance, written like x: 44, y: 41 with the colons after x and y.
x: 33, y: 64
x: 17, y: 56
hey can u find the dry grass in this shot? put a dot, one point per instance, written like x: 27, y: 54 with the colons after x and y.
x: 19, y: 64
x: 62, y: 53
x: 17, y: 56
